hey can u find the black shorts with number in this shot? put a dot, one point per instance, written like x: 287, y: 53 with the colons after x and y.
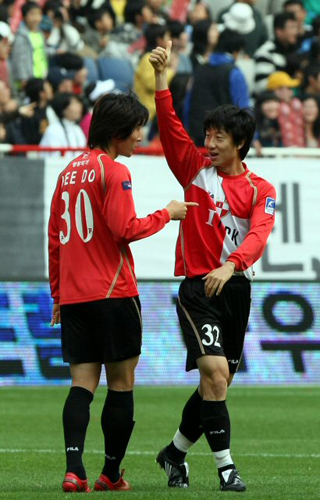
x: 216, y: 325
x: 103, y: 331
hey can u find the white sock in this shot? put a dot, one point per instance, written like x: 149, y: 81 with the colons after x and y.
x: 222, y: 458
x: 181, y: 442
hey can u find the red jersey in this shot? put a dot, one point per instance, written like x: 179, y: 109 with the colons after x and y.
x: 92, y: 221
x: 235, y: 214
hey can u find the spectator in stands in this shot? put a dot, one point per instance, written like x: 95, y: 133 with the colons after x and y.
x: 272, y: 55
x: 63, y: 36
x: 93, y: 92
x: 100, y: 24
x: 5, y: 34
x: 28, y: 57
x: 312, y: 79
x: 217, y: 82
x: 205, y: 36
x: 159, y: 11
x: 65, y: 132
x: 199, y: 12
x: 305, y: 31
x: 39, y: 91
x: 311, y: 120
x: 144, y: 84
x: 127, y: 40
x: 290, y: 111
x: 243, y: 16
x: 268, y: 133
x: 61, y: 79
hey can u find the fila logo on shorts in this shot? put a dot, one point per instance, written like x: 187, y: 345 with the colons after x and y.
x: 270, y: 206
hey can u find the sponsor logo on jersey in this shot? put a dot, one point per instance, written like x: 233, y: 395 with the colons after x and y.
x: 270, y: 206
x: 126, y: 185
x: 222, y: 207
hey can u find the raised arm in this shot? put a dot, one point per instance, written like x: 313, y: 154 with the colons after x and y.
x: 182, y: 156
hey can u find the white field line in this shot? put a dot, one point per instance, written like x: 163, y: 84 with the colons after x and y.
x: 154, y: 453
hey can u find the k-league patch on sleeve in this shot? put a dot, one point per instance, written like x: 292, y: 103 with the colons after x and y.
x: 126, y: 185
x: 270, y: 206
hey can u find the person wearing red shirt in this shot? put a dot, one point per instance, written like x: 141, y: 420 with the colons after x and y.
x: 93, y: 283
x: 217, y: 245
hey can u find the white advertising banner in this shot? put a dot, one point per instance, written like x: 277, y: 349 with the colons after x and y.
x: 293, y: 250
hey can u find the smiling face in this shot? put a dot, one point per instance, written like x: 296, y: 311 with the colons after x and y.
x: 223, y: 152
x: 310, y: 110
x: 126, y: 147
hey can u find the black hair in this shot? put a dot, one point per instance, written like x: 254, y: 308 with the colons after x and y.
x: 152, y: 32
x: 29, y: 6
x: 312, y: 70
x: 175, y: 28
x: 115, y: 116
x: 230, y: 41
x: 132, y: 10
x: 51, y: 5
x: 199, y: 36
x: 287, y: 3
x: 316, y: 25
x: 316, y: 124
x: 33, y: 88
x: 239, y: 123
x: 281, y: 19
x: 97, y: 14
x: 265, y: 96
x: 61, y: 101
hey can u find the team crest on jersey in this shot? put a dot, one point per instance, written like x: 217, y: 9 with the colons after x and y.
x: 270, y: 205
x: 222, y: 207
x: 126, y: 185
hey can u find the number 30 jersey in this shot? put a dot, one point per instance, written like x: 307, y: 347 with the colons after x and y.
x: 92, y: 222
x: 235, y: 214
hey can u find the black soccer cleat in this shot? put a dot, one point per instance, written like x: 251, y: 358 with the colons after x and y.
x: 178, y: 474
x: 233, y: 482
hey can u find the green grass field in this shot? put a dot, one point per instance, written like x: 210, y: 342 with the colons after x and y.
x: 275, y: 444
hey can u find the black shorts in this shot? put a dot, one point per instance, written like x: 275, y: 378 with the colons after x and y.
x: 216, y: 325
x: 101, y: 331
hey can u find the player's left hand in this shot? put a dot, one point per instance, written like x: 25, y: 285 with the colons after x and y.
x: 55, y: 315
x: 215, y: 281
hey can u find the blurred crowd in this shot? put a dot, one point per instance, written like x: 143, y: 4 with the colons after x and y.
x: 57, y: 57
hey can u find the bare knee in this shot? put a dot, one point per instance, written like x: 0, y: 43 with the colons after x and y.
x: 120, y: 376
x: 213, y: 386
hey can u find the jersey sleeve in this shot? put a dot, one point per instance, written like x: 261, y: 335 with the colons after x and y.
x: 182, y: 156
x: 261, y: 224
x: 54, y: 245
x: 119, y: 210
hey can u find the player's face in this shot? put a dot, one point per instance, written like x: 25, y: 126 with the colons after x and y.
x: 223, y: 152
x: 126, y: 147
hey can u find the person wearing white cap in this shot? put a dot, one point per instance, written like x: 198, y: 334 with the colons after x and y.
x: 247, y: 20
x: 6, y: 38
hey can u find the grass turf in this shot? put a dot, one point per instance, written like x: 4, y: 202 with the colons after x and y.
x: 275, y: 444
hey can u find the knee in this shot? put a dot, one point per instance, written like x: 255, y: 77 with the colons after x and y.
x: 123, y: 383
x: 214, y: 386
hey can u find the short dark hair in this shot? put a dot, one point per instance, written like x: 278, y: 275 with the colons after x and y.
x: 287, y: 3
x: 115, y: 116
x: 133, y: 9
x: 281, y: 19
x: 29, y: 6
x: 238, y: 122
x: 230, y: 41
x: 97, y: 14
x: 175, y: 28
x: 152, y: 32
x: 33, y: 88
x: 199, y: 36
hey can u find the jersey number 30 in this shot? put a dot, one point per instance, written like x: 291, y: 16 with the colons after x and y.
x: 83, y: 212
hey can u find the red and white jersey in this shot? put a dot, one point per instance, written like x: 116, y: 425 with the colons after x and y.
x: 92, y: 221
x: 235, y: 214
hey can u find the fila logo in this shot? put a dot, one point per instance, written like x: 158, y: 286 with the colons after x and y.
x: 222, y: 431
x: 73, y: 449
x: 233, y: 361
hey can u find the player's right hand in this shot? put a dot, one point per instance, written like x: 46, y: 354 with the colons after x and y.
x: 178, y: 209
x: 56, y: 319
x: 160, y: 57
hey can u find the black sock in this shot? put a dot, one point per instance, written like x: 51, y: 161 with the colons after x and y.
x: 117, y: 424
x: 190, y: 426
x: 191, y: 423
x: 216, y: 424
x: 76, y: 416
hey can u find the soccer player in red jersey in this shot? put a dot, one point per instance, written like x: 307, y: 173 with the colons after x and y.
x: 93, y: 283
x: 217, y: 245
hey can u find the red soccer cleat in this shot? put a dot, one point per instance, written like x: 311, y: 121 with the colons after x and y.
x: 104, y: 484
x: 73, y: 484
